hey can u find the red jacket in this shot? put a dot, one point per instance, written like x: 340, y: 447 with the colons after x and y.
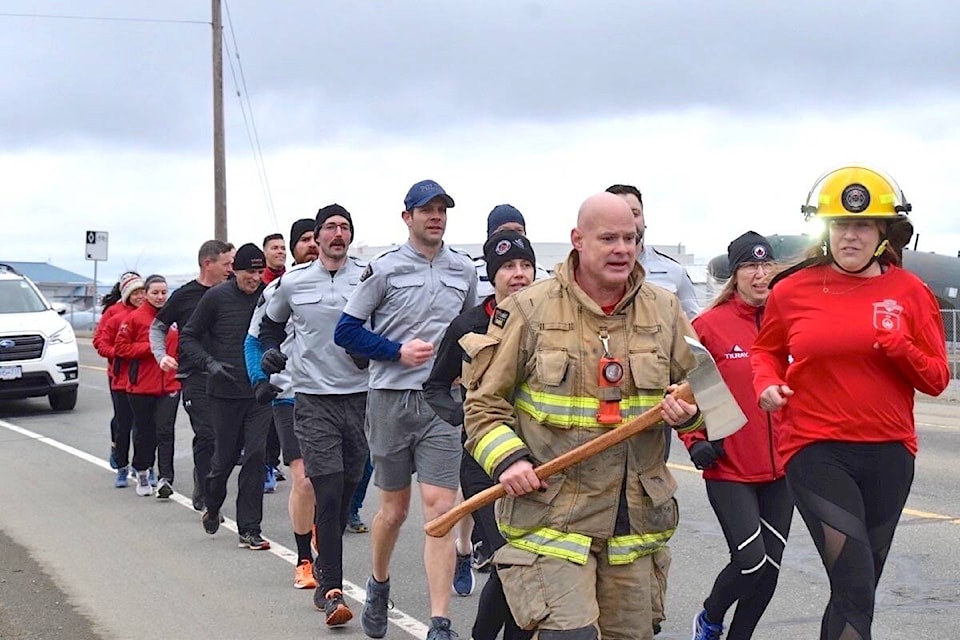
x: 104, y: 341
x: 133, y: 344
x: 728, y: 331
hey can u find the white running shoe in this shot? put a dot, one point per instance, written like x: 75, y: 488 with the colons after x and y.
x: 143, y: 484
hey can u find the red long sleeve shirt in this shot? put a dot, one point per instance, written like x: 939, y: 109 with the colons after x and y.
x: 728, y: 331
x: 821, y: 344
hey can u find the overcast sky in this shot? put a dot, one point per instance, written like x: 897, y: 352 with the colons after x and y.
x: 723, y: 114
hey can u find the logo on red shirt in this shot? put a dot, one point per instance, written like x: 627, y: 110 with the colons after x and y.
x: 886, y: 315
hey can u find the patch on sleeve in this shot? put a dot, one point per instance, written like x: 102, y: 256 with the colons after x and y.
x: 500, y: 317
x: 366, y: 273
x: 261, y: 301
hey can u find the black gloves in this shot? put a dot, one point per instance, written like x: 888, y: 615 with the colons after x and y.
x: 266, y: 392
x: 272, y: 361
x: 704, y: 454
x: 222, y: 371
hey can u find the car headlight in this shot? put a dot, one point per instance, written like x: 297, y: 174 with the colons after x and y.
x: 64, y: 336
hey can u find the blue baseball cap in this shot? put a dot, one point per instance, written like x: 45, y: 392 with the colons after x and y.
x: 423, y: 192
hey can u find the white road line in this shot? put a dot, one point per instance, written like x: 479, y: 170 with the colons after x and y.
x: 402, y: 620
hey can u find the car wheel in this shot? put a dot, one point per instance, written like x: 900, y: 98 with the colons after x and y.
x: 63, y: 400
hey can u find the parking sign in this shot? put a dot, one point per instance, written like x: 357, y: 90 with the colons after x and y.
x: 97, y: 245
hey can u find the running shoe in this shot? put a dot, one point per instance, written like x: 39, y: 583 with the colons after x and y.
x: 373, y: 617
x: 440, y: 629
x: 278, y: 472
x: 463, y: 579
x: 270, y: 480
x: 303, y: 576
x: 164, y: 489
x: 143, y: 485
x: 253, y: 541
x: 121, y: 481
x: 355, y: 524
x: 152, y: 477
x: 211, y: 521
x: 336, y: 610
x: 704, y: 629
x: 481, y: 560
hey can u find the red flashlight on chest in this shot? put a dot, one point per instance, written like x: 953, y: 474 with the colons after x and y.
x: 609, y: 375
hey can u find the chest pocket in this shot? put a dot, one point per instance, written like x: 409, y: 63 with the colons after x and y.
x: 649, y: 370
x: 552, y: 389
x: 303, y: 299
x: 453, y: 290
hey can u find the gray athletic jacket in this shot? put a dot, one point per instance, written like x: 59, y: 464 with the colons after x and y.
x: 312, y: 300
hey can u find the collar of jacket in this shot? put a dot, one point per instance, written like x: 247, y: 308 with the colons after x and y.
x: 568, y: 282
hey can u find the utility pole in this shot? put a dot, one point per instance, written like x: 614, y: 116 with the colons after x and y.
x: 219, y: 153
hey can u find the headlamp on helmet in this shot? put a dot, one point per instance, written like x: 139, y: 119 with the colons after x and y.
x: 855, y: 191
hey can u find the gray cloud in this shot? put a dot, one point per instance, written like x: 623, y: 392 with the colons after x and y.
x: 316, y: 69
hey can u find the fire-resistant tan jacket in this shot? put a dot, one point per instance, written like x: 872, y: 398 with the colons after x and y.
x: 532, y: 392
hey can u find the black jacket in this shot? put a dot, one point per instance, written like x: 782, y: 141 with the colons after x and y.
x: 216, y: 331
x: 449, y: 363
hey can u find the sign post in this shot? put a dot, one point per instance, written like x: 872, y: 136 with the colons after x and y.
x: 96, y: 251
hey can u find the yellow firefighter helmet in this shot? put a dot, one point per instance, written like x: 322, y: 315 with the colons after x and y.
x: 855, y: 191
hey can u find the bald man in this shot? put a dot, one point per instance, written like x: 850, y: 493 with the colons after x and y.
x: 581, y: 540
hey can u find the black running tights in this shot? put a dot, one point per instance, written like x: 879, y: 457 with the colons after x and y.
x: 333, y: 495
x: 850, y: 496
x: 755, y: 519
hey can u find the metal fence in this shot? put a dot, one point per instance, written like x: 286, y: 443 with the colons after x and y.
x: 951, y: 326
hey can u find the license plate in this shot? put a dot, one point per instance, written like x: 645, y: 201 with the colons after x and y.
x: 11, y: 372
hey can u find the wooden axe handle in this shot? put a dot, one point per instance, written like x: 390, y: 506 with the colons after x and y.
x: 440, y: 526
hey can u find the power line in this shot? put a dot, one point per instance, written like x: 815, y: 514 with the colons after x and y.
x: 252, y: 135
x: 58, y: 16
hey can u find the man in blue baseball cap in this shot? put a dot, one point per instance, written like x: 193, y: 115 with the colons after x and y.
x: 414, y: 290
x: 423, y: 192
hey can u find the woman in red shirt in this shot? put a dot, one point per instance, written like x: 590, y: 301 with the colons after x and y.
x: 126, y: 296
x: 743, y: 473
x: 153, y: 394
x: 847, y: 338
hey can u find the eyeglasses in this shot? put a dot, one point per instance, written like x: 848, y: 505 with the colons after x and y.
x: 332, y: 227
x: 753, y: 267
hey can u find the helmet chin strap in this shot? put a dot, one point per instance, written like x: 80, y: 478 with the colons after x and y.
x: 876, y: 254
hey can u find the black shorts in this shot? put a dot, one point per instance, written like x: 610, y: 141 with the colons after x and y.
x: 330, y: 431
x: 283, y: 420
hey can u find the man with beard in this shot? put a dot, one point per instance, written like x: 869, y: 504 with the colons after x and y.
x: 216, y: 266
x: 410, y: 295
x: 213, y: 341
x: 277, y: 387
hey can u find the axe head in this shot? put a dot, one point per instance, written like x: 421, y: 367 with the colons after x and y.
x: 721, y: 413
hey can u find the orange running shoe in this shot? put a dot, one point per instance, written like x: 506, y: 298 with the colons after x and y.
x: 336, y: 610
x: 303, y: 576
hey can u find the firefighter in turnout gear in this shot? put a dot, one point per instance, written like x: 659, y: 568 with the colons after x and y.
x: 579, y: 541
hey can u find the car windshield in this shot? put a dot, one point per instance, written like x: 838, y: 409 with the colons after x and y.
x: 17, y: 296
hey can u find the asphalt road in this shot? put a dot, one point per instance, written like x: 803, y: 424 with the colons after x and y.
x: 81, y: 559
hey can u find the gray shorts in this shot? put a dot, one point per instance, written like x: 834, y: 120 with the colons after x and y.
x: 283, y: 419
x: 407, y: 437
x: 330, y: 431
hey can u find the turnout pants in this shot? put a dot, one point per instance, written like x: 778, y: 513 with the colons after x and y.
x: 564, y: 600
x: 239, y: 422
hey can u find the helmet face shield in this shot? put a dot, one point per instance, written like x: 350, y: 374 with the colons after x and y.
x: 855, y: 191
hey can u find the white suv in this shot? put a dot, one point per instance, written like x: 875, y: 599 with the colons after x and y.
x: 38, y: 350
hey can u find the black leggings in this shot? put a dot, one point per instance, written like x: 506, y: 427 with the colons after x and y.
x: 493, y: 613
x: 755, y: 519
x: 333, y: 496
x: 850, y: 496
